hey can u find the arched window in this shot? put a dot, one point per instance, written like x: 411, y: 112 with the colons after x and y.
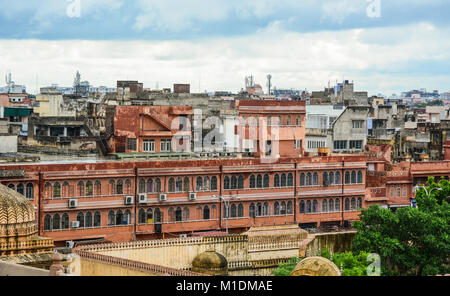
x: 266, y: 181
x: 276, y: 180
x: 158, y: 216
x: 347, y: 204
x: 302, y: 207
x: 331, y: 205
x: 252, y: 181
x: 347, y: 178
x: 308, y: 179
x: 128, y: 186
x: 142, y: 217
x: 179, y: 185
x: 157, y: 185
x: 283, y: 208
x: 214, y: 183
x: 331, y: 178
x: 171, y: 187
x: 186, y: 184
x: 283, y: 180
x: 315, y: 206
x: 324, y: 206
x: 302, y: 179
x: 186, y: 214
x: 171, y: 214
x: 233, y: 211
x: 150, y: 215
x: 289, y: 208
x: 20, y: 188
x: 276, y: 208
x: 80, y: 187
x: 11, y: 186
x: 56, y: 189
x: 353, y: 203
x: 30, y: 191
x: 226, y: 182
x: 89, y: 188
x: 298, y: 120
x: 119, y: 187
x: 337, y: 178
x: 290, y: 180
x: 111, y: 218
x: 80, y: 218
x: 259, y: 181
x: 258, y: 209
x: 325, y: 179
x: 240, y: 210
x: 127, y: 217
x: 98, y: 187
x: 233, y: 182
x: 206, y: 213
x: 308, y: 206
x: 241, y: 182
x: 266, y: 209
x: 65, y: 189
x: 56, y: 221
x: 206, y: 183
x: 315, y: 179
x: 141, y: 186
x: 65, y: 221
x: 360, y: 177
x: 359, y: 203
x: 199, y: 184
x: 337, y: 205
x: 119, y: 217
x: 398, y: 190
x: 97, y: 219
x: 288, y: 120
x: 353, y: 177
x: 88, y: 219
x: 178, y: 214
x: 251, y: 210
x: 150, y: 185
x: 47, y: 222
x: 112, y: 187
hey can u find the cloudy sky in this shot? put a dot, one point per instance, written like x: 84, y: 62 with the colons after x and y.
x: 384, y: 46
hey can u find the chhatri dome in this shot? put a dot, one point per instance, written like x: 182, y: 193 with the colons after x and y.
x: 18, y: 227
x: 210, y: 262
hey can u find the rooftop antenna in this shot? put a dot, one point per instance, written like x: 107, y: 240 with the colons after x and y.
x: 269, y: 83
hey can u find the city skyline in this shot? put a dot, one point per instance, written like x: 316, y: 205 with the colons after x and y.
x: 214, y: 45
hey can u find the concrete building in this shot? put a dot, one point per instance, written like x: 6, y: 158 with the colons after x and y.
x: 319, y: 119
x: 349, y: 131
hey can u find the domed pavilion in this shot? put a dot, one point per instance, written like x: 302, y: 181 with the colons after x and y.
x: 18, y: 227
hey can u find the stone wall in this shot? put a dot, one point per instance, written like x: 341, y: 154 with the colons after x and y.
x: 335, y: 242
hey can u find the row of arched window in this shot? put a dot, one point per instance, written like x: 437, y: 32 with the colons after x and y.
x: 263, y: 209
x: 27, y: 190
x: 88, y: 188
x: 329, y: 205
x: 58, y: 221
x: 331, y: 178
x: 175, y: 214
x: 259, y: 181
x: 119, y: 217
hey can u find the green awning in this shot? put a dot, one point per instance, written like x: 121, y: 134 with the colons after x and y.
x: 23, y: 112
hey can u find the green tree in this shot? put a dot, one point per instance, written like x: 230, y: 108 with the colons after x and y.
x: 284, y: 269
x: 411, y: 241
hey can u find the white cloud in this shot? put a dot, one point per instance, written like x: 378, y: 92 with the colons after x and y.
x: 294, y: 60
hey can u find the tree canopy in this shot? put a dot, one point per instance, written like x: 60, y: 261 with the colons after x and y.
x: 411, y: 241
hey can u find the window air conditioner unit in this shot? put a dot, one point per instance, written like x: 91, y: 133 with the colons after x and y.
x: 192, y: 196
x: 70, y: 244
x: 128, y: 200
x: 73, y: 203
x: 75, y: 224
x: 142, y: 198
x: 162, y: 197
